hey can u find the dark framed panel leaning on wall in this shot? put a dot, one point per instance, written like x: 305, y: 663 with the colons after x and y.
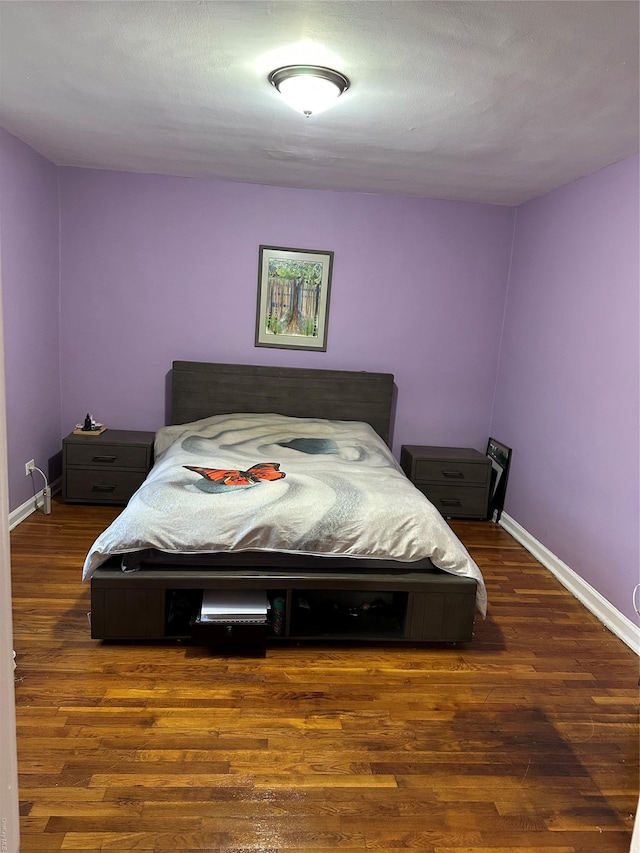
x: 500, y: 456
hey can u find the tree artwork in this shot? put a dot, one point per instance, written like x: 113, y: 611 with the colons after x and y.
x: 293, y: 297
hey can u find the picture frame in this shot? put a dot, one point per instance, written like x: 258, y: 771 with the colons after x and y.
x: 500, y: 456
x: 294, y: 286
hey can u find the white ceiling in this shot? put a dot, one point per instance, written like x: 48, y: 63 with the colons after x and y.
x: 485, y: 101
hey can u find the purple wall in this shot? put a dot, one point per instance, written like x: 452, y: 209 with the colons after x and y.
x: 30, y: 284
x: 158, y: 268
x: 567, y: 397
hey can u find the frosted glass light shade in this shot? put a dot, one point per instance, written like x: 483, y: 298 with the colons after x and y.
x: 309, y: 89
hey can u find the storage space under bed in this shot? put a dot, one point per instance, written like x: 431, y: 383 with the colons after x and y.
x: 311, y: 606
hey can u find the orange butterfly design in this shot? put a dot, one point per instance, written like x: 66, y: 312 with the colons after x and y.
x: 231, y: 477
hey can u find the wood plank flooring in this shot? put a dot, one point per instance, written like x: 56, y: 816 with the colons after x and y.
x: 525, y: 739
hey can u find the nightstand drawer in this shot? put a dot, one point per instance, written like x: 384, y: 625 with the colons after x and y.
x: 107, y: 455
x: 467, y: 502
x: 436, y: 471
x: 89, y: 485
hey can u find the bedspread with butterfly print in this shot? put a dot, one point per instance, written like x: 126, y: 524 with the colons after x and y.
x: 255, y: 482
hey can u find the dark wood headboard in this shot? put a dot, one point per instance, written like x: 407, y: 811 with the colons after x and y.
x: 199, y: 390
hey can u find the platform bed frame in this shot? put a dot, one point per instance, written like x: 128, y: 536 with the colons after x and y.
x: 337, y: 599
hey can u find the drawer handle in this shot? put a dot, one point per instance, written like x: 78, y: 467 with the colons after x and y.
x: 104, y: 458
x: 457, y: 475
x: 450, y: 502
x: 102, y: 488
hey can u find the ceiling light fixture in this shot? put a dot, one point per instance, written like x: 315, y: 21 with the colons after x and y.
x: 309, y: 88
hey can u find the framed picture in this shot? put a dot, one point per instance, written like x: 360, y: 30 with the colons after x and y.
x: 500, y: 456
x: 293, y: 298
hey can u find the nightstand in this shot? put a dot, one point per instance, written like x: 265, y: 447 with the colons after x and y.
x: 455, y: 479
x: 106, y: 468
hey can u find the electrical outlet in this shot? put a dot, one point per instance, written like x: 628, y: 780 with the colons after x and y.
x: 29, y: 467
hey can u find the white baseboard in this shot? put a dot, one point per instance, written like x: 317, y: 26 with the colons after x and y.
x: 610, y: 616
x: 30, y: 506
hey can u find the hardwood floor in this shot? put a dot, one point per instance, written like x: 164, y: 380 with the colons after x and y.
x: 524, y: 740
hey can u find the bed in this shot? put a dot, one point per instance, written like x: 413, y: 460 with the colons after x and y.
x: 279, y: 482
